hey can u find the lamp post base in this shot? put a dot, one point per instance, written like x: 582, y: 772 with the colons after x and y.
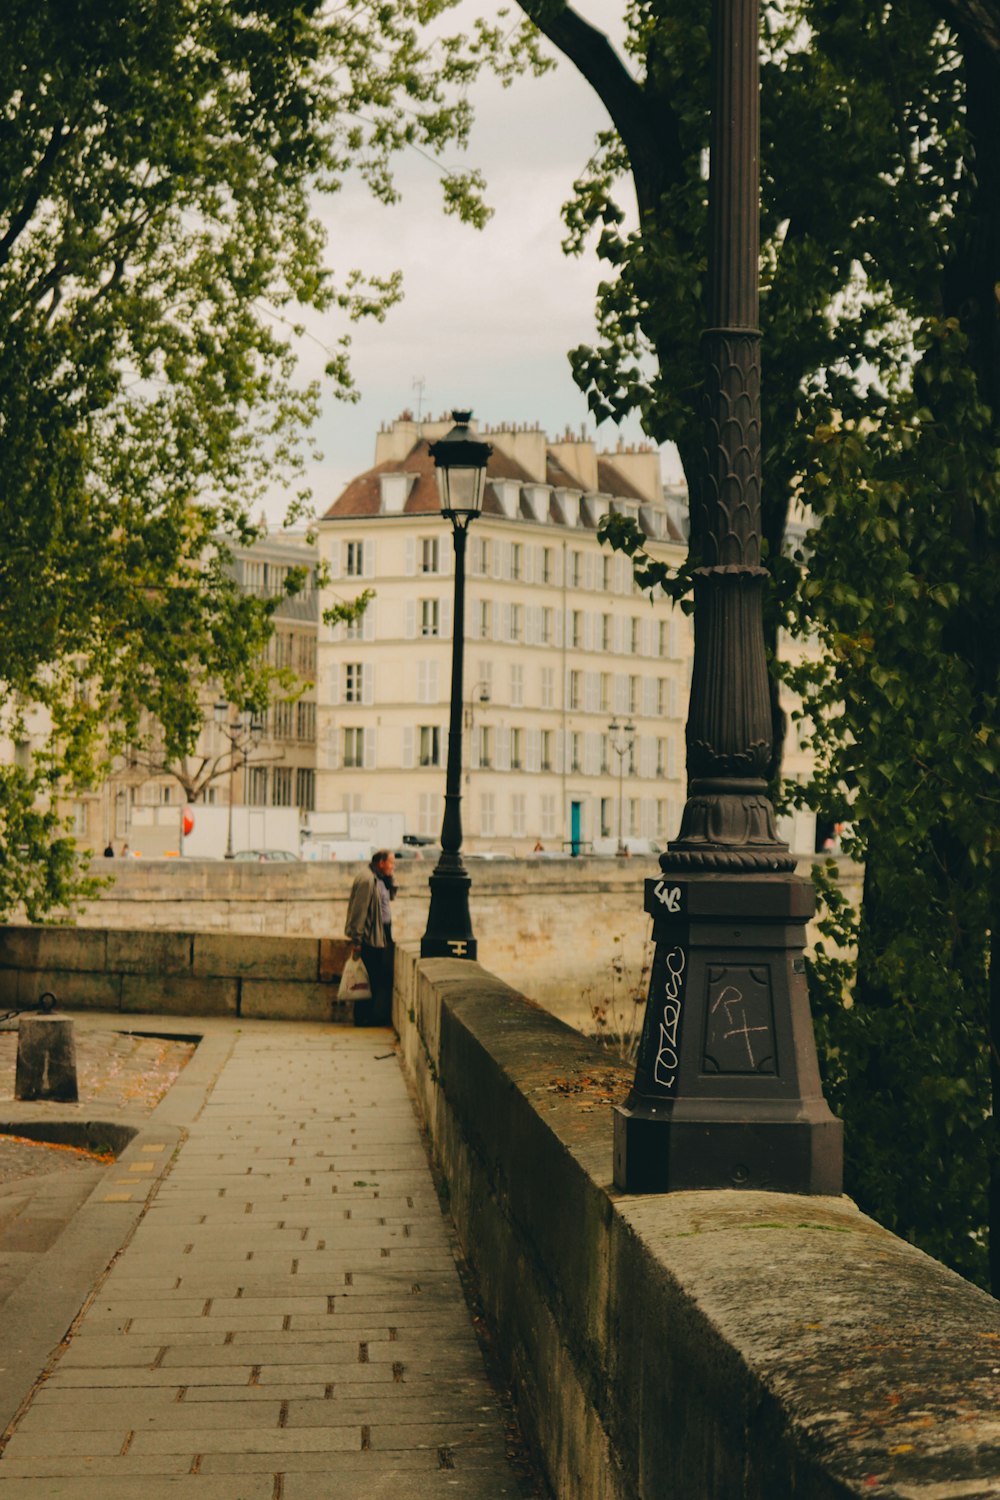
x: 761, y: 1150
x: 449, y: 926
x: 727, y: 1091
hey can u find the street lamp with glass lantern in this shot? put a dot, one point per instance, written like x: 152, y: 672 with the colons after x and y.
x: 243, y: 733
x: 460, y: 460
x: 622, y: 747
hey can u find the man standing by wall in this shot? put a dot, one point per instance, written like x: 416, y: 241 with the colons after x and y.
x: 369, y: 927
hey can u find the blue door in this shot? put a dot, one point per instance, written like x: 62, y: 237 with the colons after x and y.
x: 575, y: 815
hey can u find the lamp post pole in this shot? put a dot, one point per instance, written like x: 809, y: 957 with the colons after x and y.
x: 621, y: 747
x: 727, y: 1090
x: 461, y: 465
x: 242, y: 733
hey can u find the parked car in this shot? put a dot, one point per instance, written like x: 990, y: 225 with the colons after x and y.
x: 263, y: 855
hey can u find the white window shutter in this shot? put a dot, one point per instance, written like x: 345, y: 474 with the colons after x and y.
x: 588, y: 570
x: 672, y: 699
x: 617, y: 634
x: 505, y: 615
x: 368, y: 622
x: 368, y: 557
x: 496, y: 560
x: 591, y: 753
x: 369, y: 761
x: 472, y: 760
x: 333, y: 557
x: 559, y: 627
x: 422, y: 681
x: 410, y: 565
x: 368, y: 683
x: 533, y: 750
x: 408, y: 747
x: 445, y: 618
x: 673, y: 757
x: 592, y: 692
x: 503, y: 748
x: 411, y: 619
x: 621, y: 693
x: 649, y: 697
x: 528, y: 554
x: 444, y: 556
x: 559, y: 764
x: 647, y: 756
x: 432, y: 682
x: 333, y: 682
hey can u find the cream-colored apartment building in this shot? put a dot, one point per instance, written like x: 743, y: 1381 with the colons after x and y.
x: 560, y: 644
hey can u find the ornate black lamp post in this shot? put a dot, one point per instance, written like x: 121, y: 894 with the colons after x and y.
x: 727, y: 1090
x: 461, y: 461
x: 243, y: 733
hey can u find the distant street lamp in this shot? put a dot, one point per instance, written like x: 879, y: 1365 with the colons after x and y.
x: 727, y: 1090
x: 460, y: 460
x: 480, y: 694
x: 624, y: 739
x: 243, y: 733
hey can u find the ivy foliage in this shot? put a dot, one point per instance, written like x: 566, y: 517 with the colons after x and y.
x: 158, y: 159
x: 880, y: 258
x: 902, y: 709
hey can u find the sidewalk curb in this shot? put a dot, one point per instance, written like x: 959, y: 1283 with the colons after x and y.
x: 40, y: 1313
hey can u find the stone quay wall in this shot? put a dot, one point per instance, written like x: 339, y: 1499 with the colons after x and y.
x: 572, y: 934
x: 173, y: 973
x: 704, y: 1345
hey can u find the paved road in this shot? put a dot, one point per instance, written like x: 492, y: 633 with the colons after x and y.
x: 285, y: 1321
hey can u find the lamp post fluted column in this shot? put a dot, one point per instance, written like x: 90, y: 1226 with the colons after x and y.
x: 461, y: 463
x: 449, y: 924
x: 727, y: 1090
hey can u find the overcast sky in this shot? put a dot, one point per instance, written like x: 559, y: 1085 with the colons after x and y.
x: 488, y: 315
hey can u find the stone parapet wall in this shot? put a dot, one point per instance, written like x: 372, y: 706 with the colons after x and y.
x: 173, y: 973
x: 571, y: 933
x: 688, y: 1346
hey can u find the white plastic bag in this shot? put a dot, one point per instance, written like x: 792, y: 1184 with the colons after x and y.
x: 354, y: 981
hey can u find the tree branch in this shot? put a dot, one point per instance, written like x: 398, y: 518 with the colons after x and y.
x: 647, y: 127
x: 43, y: 173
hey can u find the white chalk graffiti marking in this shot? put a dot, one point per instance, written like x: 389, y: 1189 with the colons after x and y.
x: 731, y: 999
x: 665, y: 1067
x: 669, y: 895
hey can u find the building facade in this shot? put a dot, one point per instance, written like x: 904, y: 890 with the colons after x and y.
x: 561, y: 645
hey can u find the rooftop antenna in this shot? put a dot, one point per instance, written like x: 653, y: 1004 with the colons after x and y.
x: 420, y: 386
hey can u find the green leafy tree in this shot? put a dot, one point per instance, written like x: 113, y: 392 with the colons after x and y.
x: 157, y: 252
x: 880, y: 234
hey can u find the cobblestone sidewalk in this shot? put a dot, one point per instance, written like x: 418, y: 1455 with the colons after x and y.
x: 287, y: 1322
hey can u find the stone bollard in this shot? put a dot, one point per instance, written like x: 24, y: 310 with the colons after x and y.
x: 46, y: 1059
